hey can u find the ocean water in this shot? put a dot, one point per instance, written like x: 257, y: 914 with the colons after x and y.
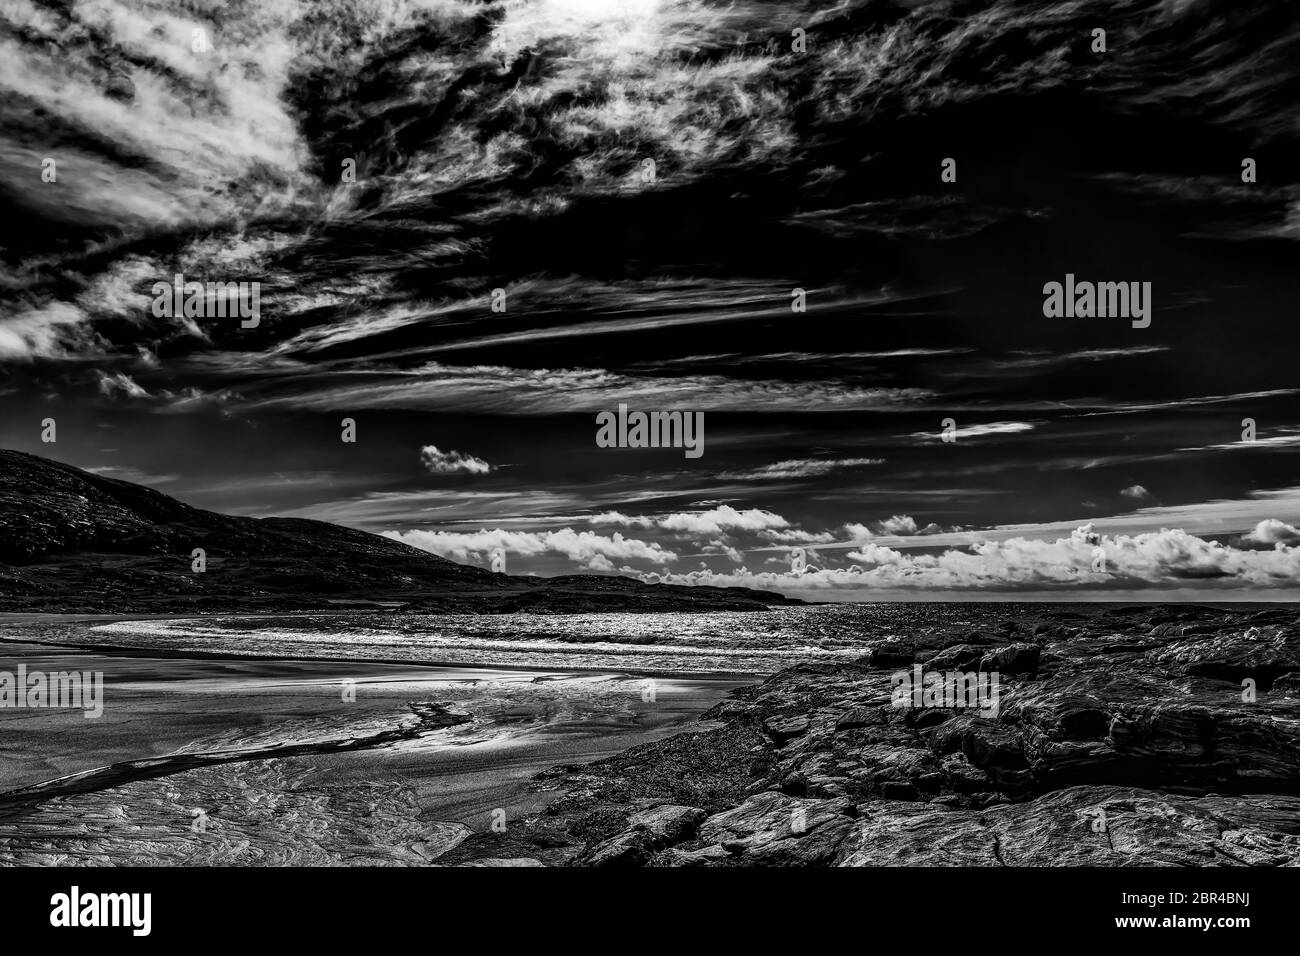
x: 686, y: 643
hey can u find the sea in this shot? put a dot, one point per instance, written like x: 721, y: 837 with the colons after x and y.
x: 674, y: 643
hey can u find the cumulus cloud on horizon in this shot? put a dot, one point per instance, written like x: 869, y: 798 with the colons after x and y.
x: 1270, y: 531
x: 1086, y: 559
x: 584, y: 547
x: 1168, y: 558
x: 719, y: 520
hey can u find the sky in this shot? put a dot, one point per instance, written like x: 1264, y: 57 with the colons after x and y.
x: 733, y: 210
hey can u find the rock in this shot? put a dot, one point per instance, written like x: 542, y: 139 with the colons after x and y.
x: 1078, y: 826
x: 441, y: 837
x: 892, y: 654
x: 1288, y: 685
x: 731, y: 710
x: 1014, y: 659
x: 860, y: 717
x: 1134, y: 712
x: 892, y: 762
x: 669, y: 823
x: 959, y: 657
x: 795, y: 784
x: 700, y: 857
x: 825, y: 786
x: 1233, y: 654
x: 785, y: 729
x: 895, y: 790
x: 930, y: 781
x: 926, y: 717
x: 629, y: 848
x: 513, y: 861
x: 961, y: 776
x: 772, y: 829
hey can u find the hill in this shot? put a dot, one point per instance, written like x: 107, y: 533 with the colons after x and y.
x: 74, y: 541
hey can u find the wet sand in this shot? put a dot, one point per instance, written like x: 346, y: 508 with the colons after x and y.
x: 275, y: 720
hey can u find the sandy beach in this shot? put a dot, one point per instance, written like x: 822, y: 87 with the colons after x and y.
x: 184, y: 743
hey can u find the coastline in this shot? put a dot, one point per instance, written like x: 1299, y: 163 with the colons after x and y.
x: 1173, y: 726
x: 197, y: 732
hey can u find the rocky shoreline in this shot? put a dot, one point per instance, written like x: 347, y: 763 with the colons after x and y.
x: 1151, y: 735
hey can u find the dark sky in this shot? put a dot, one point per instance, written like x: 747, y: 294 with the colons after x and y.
x: 505, y: 146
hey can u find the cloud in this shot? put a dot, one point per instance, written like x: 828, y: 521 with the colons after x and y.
x: 601, y: 564
x: 1273, y: 532
x: 1287, y: 437
x: 967, y: 432
x: 133, y: 475
x: 798, y: 468
x: 43, y: 332
x: 721, y: 547
x: 578, y: 546
x: 720, y: 520
x: 899, y: 524
x: 1168, y: 558
x: 618, y: 518
x: 495, y: 389
x: 452, y: 462
x: 858, y: 533
x: 1135, y: 491
x: 1164, y: 406
x: 797, y: 536
x: 119, y: 383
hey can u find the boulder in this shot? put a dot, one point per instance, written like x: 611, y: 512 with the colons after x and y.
x: 668, y: 824
x: 772, y: 829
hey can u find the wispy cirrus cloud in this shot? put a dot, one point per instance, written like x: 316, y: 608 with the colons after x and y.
x: 501, y: 389
x: 798, y: 468
x: 980, y: 430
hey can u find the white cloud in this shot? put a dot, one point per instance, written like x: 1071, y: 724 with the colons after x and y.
x: 452, y: 462
x: 797, y: 536
x: 578, y: 546
x: 1168, y: 558
x: 1135, y: 491
x: 1274, y: 532
x: 967, y: 432
x: 502, y: 389
x: 119, y: 383
x: 1287, y: 437
x: 798, y: 468
x: 721, y: 547
x: 899, y: 524
x: 720, y: 520
x: 42, y: 332
x: 858, y: 533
